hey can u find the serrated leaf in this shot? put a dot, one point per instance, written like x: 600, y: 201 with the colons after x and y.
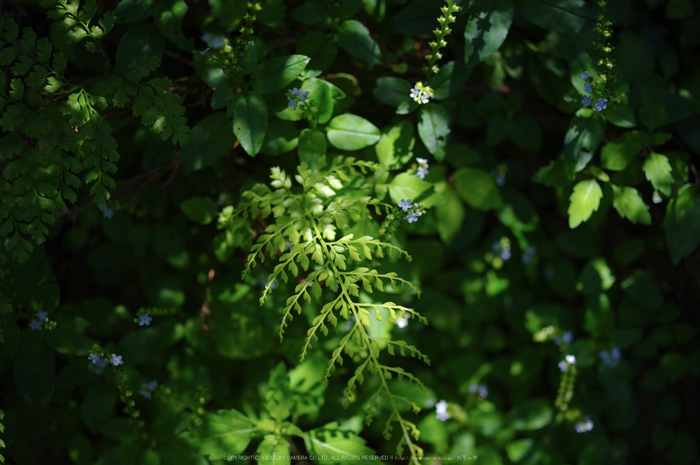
x: 617, y: 153
x: 273, y: 450
x: 584, y: 201
x: 629, y: 204
x: 223, y: 433
x: 657, y: 170
x: 683, y: 222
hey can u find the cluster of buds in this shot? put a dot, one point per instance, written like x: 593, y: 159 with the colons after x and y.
x: 443, y: 31
x: 230, y: 57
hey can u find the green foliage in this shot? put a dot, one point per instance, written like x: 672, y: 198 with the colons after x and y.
x: 54, y: 129
x: 261, y: 284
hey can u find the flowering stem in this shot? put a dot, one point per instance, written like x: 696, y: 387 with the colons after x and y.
x: 445, y: 20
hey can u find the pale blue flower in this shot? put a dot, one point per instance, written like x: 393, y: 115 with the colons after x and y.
x: 528, y: 255
x: 441, y: 411
x: 482, y: 389
x: 202, y: 52
x: 292, y: 102
x: 563, y: 366
x: 612, y: 358
x: 41, y: 316
x: 116, y: 360
x: 422, y: 172
x: 583, y: 426
x: 35, y: 325
x: 586, y: 101
x: 148, y: 388
x: 213, y: 41
x: 412, y: 217
x: 601, y: 104
x: 422, y: 161
x: 144, y: 320
x: 94, y: 358
x: 405, y: 204
x: 584, y: 75
x: 217, y: 42
x: 98, y: 365
x: 107, y: 212
x: 587, y: 87
x: 299, y: 93
x: 566, y: 338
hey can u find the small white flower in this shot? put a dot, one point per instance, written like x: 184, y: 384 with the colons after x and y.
x: 422, y: 161
x: 571, y: 359
x: 583, y: 426
x: 441, y: 411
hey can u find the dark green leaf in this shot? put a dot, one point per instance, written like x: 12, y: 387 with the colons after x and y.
x: 582, y: 139
x: 168, y: 17
x: 531, y: 415
x: 250, y: 121
x: 319, y: 49
x: 275, y: 73
x: 487, y: 28
x: 559, y: 15
x: 683, y: 222
x: 281, y: 137
x: 652, y: 113
x: 354, y: 37
x: 312, y: 146
x: 433, y: 129
x: 210, y: 139
x: 478, y: 188
x: 200, y: 209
